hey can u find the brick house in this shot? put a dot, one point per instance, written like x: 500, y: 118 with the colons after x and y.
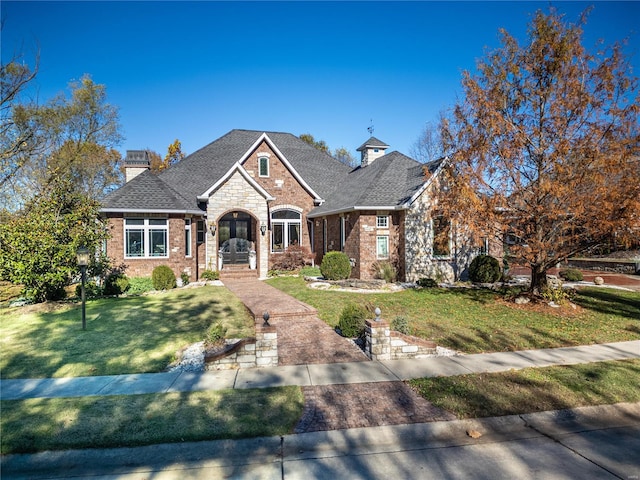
x: 240, y: 201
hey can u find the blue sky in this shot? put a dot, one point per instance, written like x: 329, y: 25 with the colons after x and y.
x: 195, y: 70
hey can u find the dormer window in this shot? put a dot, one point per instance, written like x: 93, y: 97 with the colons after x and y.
x: 263, y: 166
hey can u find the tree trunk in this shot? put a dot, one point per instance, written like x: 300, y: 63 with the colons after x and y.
x: 538, y: 279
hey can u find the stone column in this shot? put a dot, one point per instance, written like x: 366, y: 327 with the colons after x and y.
x: 266, y: 345
x: 377, y: 340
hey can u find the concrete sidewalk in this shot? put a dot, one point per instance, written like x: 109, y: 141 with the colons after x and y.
x: 589, y: 442
x: 315, y: 374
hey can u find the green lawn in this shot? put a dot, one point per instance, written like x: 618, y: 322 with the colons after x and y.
x: 533, y: 389
x: 135, y: 334
x: 474, y: 321
x: 131, y: 420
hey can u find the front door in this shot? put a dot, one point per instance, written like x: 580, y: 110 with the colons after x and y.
x: 235, y: 238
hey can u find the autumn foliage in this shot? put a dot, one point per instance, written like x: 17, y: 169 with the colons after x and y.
x: 546, y: 145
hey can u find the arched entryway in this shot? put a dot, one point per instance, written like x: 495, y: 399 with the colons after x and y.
x: 236, y: 237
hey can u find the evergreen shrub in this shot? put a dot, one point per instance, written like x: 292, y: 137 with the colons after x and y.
x: 351, y: 322
x: 163, y: 278
x: 484, y: 269
x: 335, y: 266
x: 571, y: 275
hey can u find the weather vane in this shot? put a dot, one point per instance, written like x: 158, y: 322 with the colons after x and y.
x: 370, y: 128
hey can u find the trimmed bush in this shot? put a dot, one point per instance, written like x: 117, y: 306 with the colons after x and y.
x: 163, y: 278
x: 484, y: 269
x: 210, y: 275
x: 351, y: 323
x: 571, y: 275
x: 401, y: 324
x: 116, y: 284
x: 335, y: 266
x: 427, y: 282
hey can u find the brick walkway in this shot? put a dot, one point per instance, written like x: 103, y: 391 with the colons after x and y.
x: 335, y: 407
x: 305, y: 339
x: 302, y: 337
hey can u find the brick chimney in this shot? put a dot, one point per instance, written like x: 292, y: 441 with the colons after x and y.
x: 135, y: 163
x: 371, y: 150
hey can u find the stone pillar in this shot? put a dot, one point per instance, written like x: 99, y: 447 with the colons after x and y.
x: 266, y: 345
x: 377, y: 340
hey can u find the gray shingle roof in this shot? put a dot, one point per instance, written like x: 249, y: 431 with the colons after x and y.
x: 390, y: 181
x: 372, y: 143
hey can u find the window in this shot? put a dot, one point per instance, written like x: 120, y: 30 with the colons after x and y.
x: 382, y: 246
x: 145, y: 237
x: 187, y: 237
x: 441, y: 228
x: 200, y: 236
x: 342, y: 233
x: 285, y: 229
x: 263, y: 166
x: 382, y: 221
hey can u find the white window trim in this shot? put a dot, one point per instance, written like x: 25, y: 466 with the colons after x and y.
x: 382, y: 221
x: 146, y: 228
x: 286, y: 223
x: 378, y: 256
x: 266, y: 158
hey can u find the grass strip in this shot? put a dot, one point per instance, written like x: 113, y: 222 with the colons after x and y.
x: 35, y: 425
x: 533, y: 389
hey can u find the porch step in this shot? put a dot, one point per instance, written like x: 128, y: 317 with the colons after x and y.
x: 237, y: 272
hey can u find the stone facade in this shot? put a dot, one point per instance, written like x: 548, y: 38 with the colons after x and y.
x: 261, y: 351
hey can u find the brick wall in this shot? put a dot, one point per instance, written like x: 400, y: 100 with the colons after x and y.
x: 143, y: 267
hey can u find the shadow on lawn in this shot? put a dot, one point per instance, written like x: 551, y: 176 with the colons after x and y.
x: 625, y: 304
x: 128, y: 334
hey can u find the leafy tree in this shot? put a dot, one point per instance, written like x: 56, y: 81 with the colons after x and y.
x: 546, y: 140
x: 73, y: 137
x: 319, y: 144
x: 16, y: 136
x: 173, y: 156
x: 156, y: 161
x: 341, y: 154
x: 38, y: 245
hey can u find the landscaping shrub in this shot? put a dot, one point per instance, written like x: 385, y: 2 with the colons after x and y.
x: 484, y: 269
x: 384, y: 270
x: 294, y: 257
x: 184, y: 276
x: 215, y: 334
x: 138, y: 285
x: 116, y: 284
x: 91, y: 290
x: 210, y: 275
x: 351, y: 322
x: 427, y: 282
x: 401, y: 324
x: 571, y: 275
x: 335, y: 266
x: 163, y: 278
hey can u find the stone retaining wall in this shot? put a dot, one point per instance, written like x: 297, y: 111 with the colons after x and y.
x: 381, y: 343
x: 616, y: 265
x: 261, y: 351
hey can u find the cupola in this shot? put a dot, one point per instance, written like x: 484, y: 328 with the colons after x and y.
x: 371, y: 150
